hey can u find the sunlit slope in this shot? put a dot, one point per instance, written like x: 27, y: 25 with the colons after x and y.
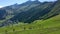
x: 52, y: 22
x: 49, y: 26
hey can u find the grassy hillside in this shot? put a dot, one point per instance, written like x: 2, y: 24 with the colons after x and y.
x: 49, y: 26
x: 32, y: 18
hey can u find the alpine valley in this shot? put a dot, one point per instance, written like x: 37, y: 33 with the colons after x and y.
x: 31, y: 17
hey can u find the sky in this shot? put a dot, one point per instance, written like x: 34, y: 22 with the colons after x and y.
x: 4, y: 3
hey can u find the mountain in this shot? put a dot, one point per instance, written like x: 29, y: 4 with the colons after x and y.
x: 15, y: 9
x: 2, y: 14
x: 55, y: 10
x: 31, y: 17
x: 49, y: 26
x: 34, y: 13
x: 31, y: 11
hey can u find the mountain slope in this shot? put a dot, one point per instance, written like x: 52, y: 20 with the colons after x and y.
x: 17, y: 8
x: 2, y: 14
x: 49, y: 26
x: 54, y: 11
x: 33, y: 13
x: 43, y: 18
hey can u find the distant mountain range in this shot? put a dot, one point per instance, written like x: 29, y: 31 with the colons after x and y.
x: 29, y: 12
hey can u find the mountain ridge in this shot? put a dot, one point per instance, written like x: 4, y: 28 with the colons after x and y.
x: 30, y: 12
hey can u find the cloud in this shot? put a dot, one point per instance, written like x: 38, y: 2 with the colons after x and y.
x: 1, y: 6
